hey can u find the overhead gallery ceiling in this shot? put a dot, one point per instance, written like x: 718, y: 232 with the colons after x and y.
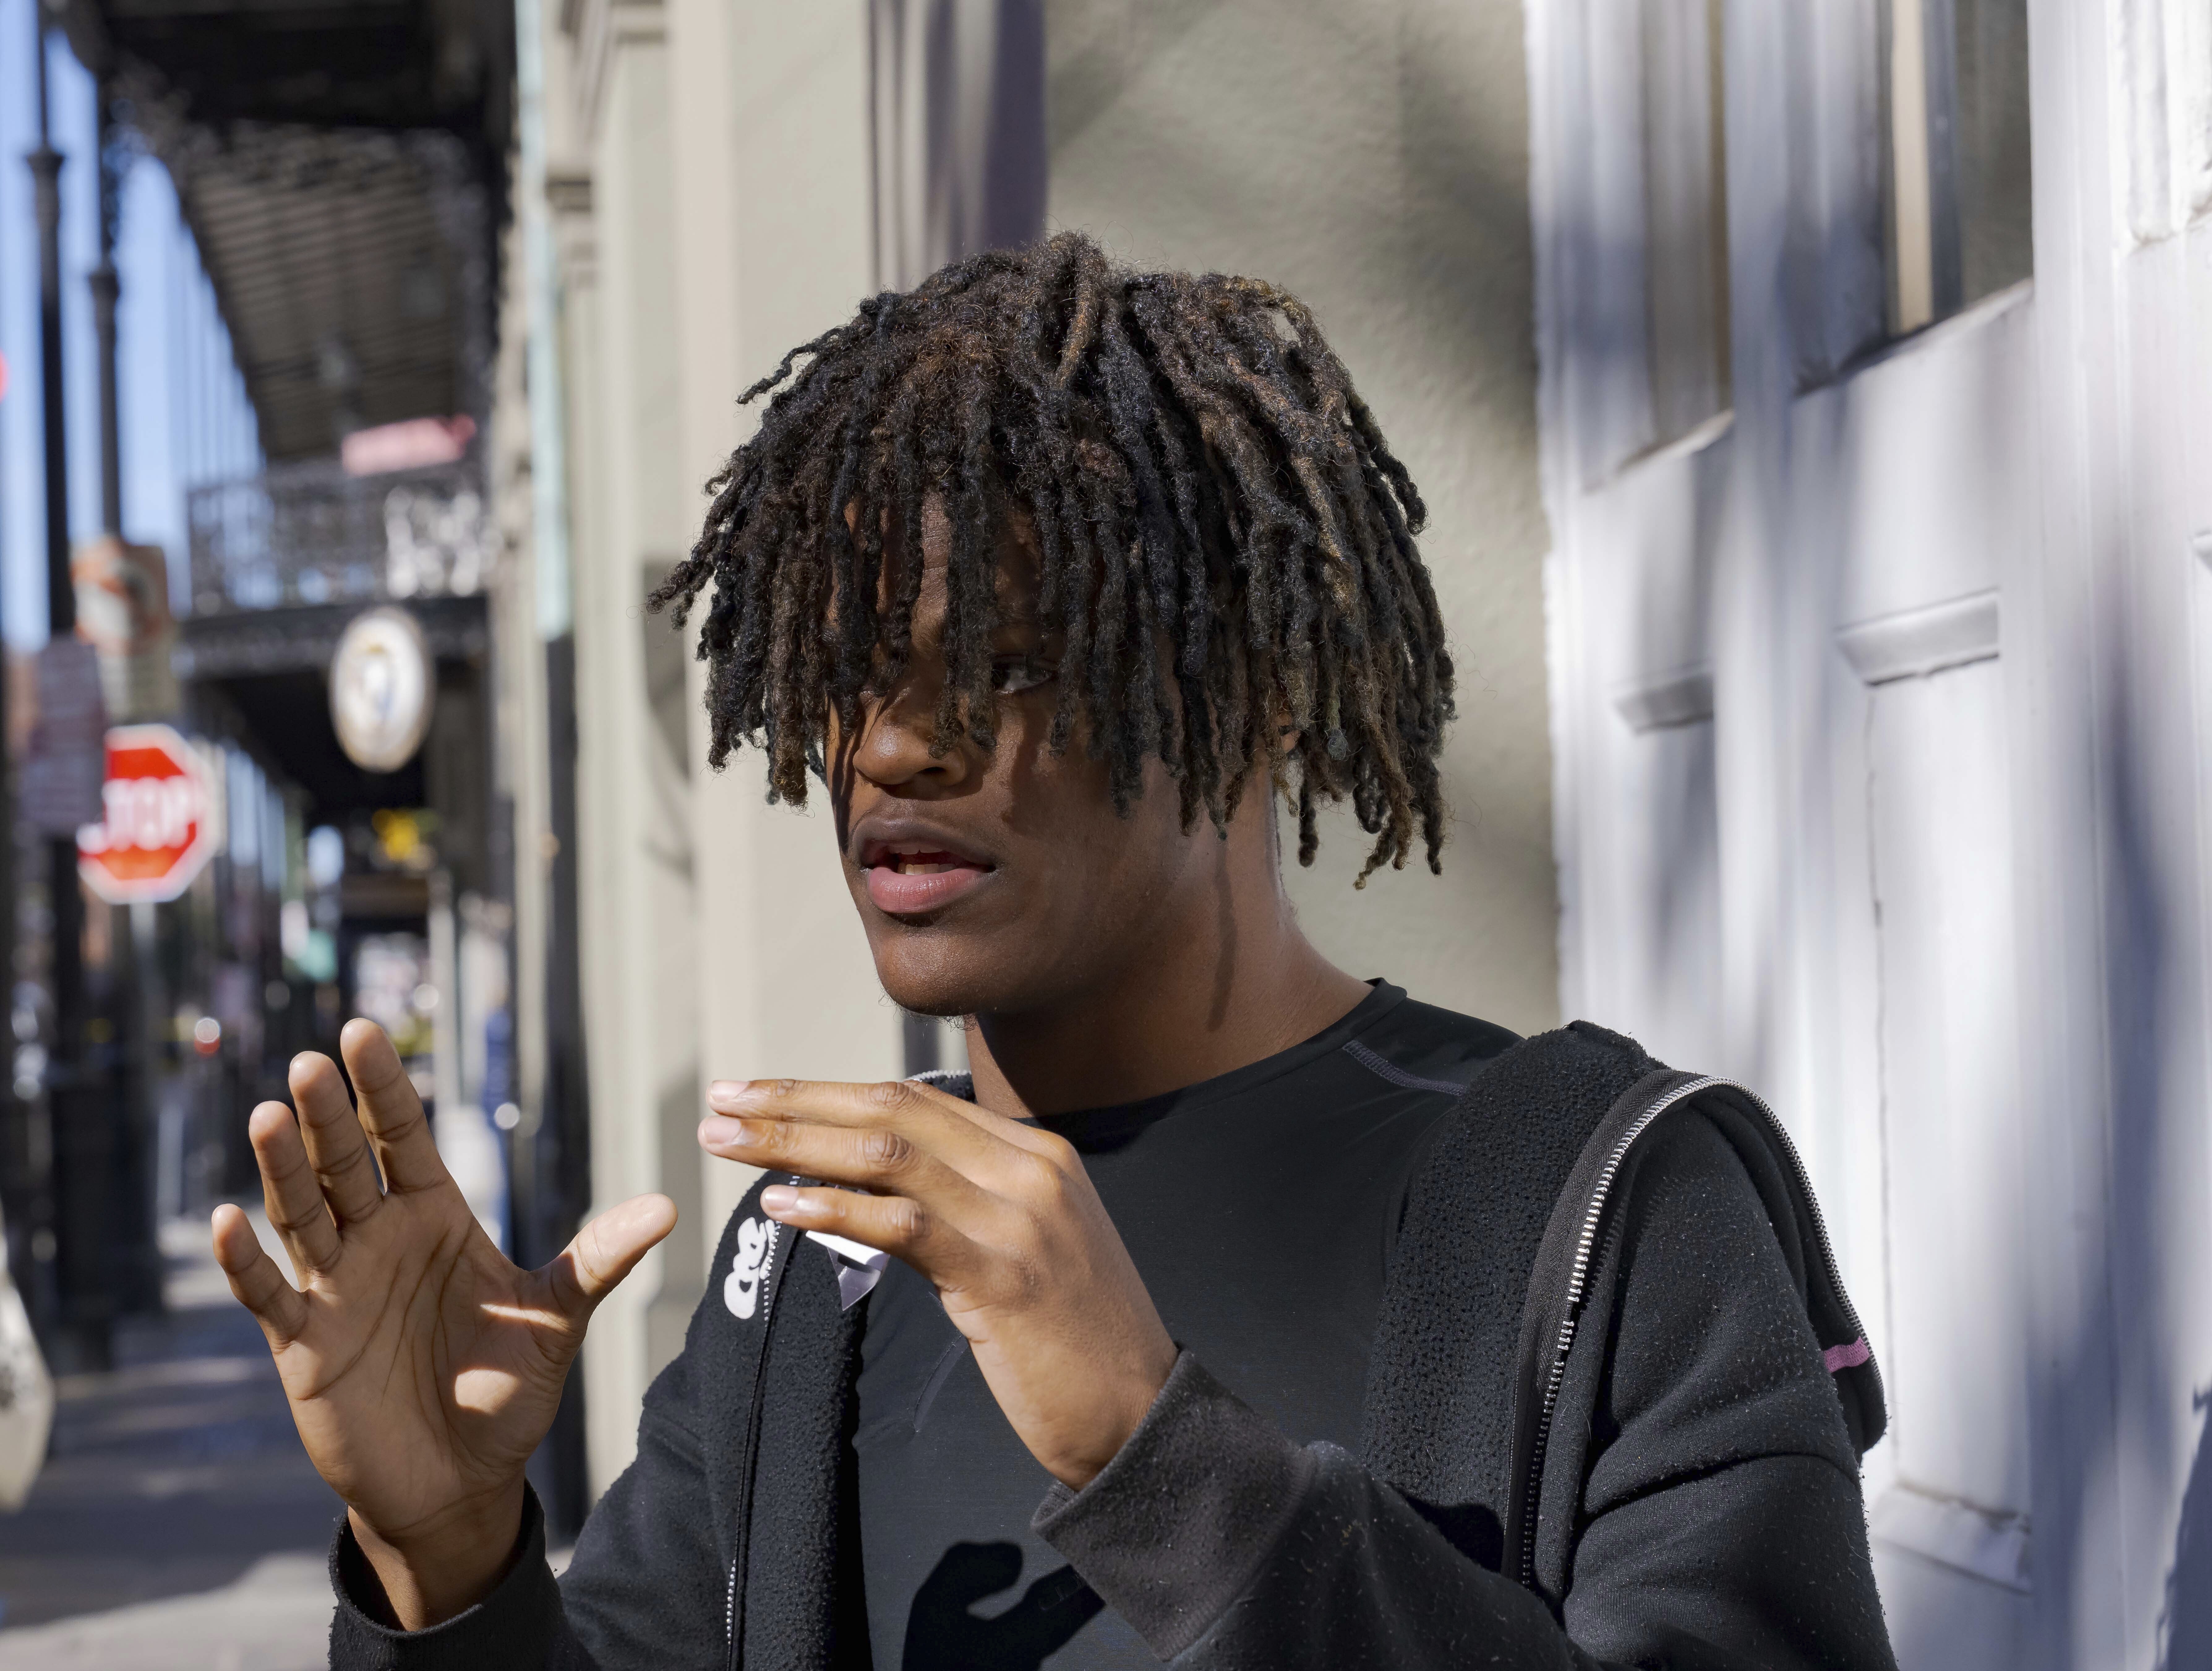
x: 342, y: 167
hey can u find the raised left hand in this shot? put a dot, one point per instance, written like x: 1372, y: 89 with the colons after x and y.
x: 1002, y: 1220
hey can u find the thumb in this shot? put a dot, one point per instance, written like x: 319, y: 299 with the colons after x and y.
x: 605, y: 1251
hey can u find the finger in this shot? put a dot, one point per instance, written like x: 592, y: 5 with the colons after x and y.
x: 882, y: 1158
x: 255, y: 1280
x: 331, y: 1132
x: 1021, y: 1133
x: 390, y: 1109
x: 897, y: 1224
x: 605, y: 1252
x: 830, y: 1099
x: 939, y: 1122
x: 289, y: 1190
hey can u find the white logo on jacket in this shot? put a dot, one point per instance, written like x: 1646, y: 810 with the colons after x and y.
x: 741, y: 1289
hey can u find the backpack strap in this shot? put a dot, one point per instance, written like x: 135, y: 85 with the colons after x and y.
x: 1437, y: 1422
x: 1583, y: 1216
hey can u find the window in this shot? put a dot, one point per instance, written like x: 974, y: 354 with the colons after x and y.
x: 1644, y: 224
x: 1960, y: 218
x: 1684, y: 215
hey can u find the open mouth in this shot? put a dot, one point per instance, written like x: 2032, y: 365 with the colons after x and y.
x: 914, y: 878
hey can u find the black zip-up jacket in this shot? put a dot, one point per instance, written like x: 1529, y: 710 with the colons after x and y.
x: 1615, y: 1412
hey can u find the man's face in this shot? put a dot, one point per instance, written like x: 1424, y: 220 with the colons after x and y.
x: 1000, y: 881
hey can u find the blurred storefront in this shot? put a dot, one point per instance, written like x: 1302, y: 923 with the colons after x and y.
x: 334, y: 666
x: 361, y: 869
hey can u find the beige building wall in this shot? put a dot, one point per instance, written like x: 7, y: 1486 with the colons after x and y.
x: 775, y: 248
x: 710, y: 209
x: 1372, y: 156
x: 712, y: 198
x: 613, y: 141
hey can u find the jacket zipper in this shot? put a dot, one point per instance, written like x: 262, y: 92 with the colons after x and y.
x: 743, y: 1541
x: 1585, y: 1252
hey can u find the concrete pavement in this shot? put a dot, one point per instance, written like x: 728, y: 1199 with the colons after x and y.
x: 275, y: 1617
x: 176, y: 1523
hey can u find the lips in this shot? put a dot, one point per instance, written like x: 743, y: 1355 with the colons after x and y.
x: 913, y: 876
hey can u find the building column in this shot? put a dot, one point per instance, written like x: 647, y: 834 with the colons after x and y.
x: 774, y: 246
x: 633, y: 828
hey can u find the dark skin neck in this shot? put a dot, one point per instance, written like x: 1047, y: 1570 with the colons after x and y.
x: 1227, y: 979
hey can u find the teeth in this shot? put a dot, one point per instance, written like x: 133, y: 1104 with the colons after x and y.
x: 920, y: 861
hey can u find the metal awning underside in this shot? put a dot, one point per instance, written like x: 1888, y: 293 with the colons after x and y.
x: 349, y: 268
x: 342, y: 167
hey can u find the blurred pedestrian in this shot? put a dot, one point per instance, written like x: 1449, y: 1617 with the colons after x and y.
x: 27, y: 1396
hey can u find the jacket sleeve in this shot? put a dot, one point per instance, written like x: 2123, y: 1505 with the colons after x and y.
x: 519, y: 1624
x: 1721, y: 1523
x: 645, y: 1588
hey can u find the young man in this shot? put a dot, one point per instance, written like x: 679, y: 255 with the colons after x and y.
x: 1209, y: 1332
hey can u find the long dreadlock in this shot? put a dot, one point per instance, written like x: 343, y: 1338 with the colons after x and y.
x: 1215, y: 511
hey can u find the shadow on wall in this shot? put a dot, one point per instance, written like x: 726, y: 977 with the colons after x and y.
x: 2150, y: 1130
x: 2187, y: 1627
x: 2152, y: 1137
x: 2142, y: 1004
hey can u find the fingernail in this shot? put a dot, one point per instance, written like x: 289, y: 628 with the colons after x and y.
x: 778, y: 1197
x: 725, y: 1092
x: 720, y: 1131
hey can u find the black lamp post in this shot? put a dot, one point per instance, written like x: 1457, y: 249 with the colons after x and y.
x: 122, y: 1085
x: 81, y: 1146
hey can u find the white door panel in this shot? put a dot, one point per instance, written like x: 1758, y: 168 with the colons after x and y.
x: 1669, y: 880
x: 1942, y: 878
x: 1918, y: 450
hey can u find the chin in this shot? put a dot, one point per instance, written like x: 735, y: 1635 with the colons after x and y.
x: 922, y: 974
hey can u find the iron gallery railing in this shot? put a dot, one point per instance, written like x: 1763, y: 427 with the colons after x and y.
x: 304, y: 534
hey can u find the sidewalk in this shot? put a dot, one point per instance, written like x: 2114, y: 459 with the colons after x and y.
x: 177, y: 1524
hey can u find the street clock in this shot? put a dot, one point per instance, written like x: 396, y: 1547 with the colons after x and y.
x: 382, y: 688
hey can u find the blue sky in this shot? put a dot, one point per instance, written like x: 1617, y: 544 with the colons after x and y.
x: 184, y: 415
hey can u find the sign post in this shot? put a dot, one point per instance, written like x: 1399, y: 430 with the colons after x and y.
x: 156, y: 829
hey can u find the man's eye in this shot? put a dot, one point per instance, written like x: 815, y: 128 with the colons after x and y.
x: 1010, y: 677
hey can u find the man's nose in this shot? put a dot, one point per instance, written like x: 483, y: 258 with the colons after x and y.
x: 896, y: 733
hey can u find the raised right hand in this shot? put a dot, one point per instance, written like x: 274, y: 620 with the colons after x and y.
x: 423, y: 1367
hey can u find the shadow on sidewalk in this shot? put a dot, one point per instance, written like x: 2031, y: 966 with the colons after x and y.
x: 171, y: 1474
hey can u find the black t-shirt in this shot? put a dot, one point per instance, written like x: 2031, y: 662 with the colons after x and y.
x: 1259, y: 1208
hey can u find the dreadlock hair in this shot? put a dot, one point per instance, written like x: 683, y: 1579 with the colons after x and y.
x: 1226, y: 542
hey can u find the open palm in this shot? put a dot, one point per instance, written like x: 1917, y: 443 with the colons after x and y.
x: 423, y: 1367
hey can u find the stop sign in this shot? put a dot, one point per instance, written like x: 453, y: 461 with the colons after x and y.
x: 155, y: 830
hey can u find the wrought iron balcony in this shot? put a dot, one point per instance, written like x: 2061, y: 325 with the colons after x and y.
x: 307, y: 535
